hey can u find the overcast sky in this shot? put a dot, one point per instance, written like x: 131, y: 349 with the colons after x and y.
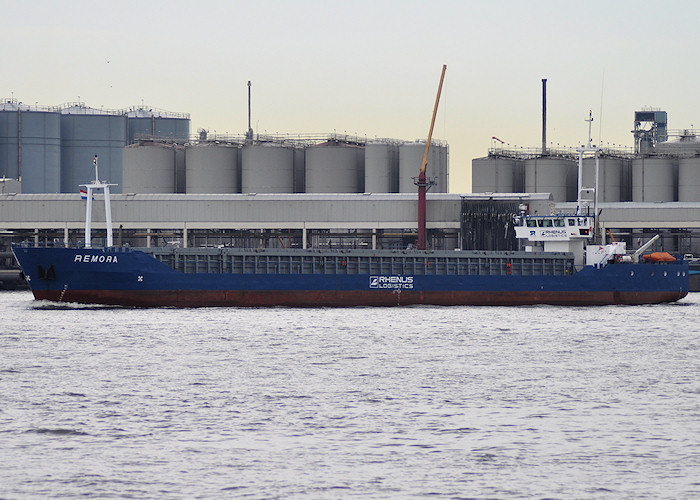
x: 366, y: 67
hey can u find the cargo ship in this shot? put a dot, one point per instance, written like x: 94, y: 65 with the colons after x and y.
x: 190, y: 277
x: 557, y: 265
x: 561, y: 264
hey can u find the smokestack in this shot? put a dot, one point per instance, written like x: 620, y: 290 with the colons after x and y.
x: 249, y: 134
x: 544, y: 116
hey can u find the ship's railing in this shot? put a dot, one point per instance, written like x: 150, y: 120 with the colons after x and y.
x: 58, y: 243
x: 229, y: 261
x: 566, y: 152
x: 296, y: 140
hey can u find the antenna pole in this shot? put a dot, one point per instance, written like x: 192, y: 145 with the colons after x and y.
x: 600, y: 116
x: 544, y: 116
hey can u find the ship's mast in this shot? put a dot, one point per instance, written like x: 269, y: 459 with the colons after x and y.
x: 588, y: 148
x: 94, y: 185
x: 422, y: 181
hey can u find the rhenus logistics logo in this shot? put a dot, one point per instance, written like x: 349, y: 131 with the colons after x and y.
x: 391, y: 282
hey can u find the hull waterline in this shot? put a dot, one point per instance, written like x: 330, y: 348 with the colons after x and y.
x: 229, y: 277
x: 284, y: 298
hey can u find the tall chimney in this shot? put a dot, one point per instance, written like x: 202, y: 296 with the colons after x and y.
x: 249, y: 134
x: 544, y: 116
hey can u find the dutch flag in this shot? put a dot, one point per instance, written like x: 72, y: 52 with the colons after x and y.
x: 83, y: 194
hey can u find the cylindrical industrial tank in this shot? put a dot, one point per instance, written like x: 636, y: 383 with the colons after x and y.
x: 653, y: 179
x: 149, y: 168
x: 9, y: 140
x: 551, y: 175
x: 410, y: 162
x: 519, y: 176
x: 211, y: 168
x: 267, y: 168
x: 689, y: 179
x: 443, y: 176
x: 626, y: 182
x: 381, y: 167
x: 86, y: 132
x: 609, y: 177
x: 686, y: 145
x: 335, y: 168
x: 496, y: 175
x: 145, y: 122
x: 299, y: 170
x: 180, y: 172
x: 30, y: 148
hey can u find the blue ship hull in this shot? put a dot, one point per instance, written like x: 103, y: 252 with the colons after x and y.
x: 122, y: 276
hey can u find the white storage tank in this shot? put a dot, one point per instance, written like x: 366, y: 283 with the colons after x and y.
x: 381, y: 167
x: 689, y: 179
x: 557, y: 176
x: 687, y: 145
x: 180, y: 170
x: 653, y: 179
x: 497, y: 175
x: 609, y: 177
x: 211, y: 168
x: 442, y: 168
x: 267, y: 168
x: 626, y: 180
x: 299, y: 170
x: 334, y: 167
x: 149, y: 168
x: 411, y: 161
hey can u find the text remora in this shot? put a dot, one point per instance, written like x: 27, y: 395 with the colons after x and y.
x: 111, y: 259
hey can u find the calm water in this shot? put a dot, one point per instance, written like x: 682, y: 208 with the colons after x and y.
x: 337, y: 403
